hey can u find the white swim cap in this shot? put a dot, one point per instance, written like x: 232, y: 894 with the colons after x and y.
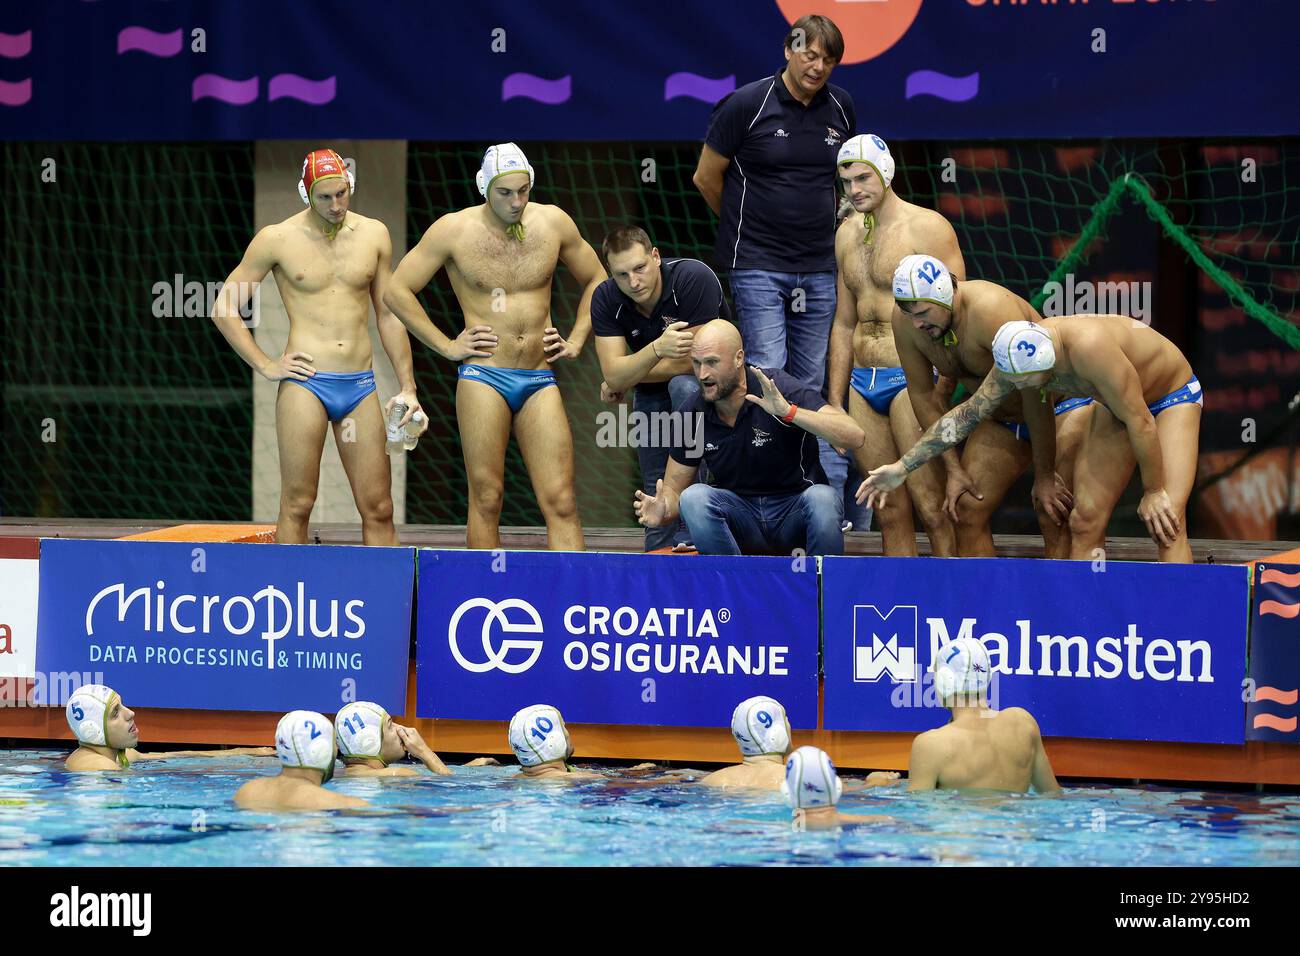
x: 538, y: 735
x: 360, y: 729
x: 304, y: 740
x: 923, y: 279
x: 1022, y: 348
x: 811, y: 780
x: 760, y: 727
x: 870, y: 149
x: 501, y: 160
x: 962, y: 667
x: 87, y: 712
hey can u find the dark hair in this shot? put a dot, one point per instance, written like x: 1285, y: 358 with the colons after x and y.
x: 814, y: 26
x: 624, y: 238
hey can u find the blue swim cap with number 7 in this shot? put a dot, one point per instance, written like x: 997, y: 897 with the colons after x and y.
x: 920, y: 278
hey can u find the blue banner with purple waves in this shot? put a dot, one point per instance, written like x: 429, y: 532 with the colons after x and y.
x: 1112, y: 650
x: 615, y: 638
x: 591, y: 70
x: 1272, y: 711
x: 229, y: 626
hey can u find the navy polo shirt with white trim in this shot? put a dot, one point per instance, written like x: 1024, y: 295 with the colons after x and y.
x: 760, y: 454
x: 691, y: 293
x: 779, y: 193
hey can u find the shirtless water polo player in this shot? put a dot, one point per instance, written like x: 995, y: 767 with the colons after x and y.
x: 868, y: 247
x: 501, y: 257
x: 330, y: 265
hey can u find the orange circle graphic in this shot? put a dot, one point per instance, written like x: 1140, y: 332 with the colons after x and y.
x: 870, y: 27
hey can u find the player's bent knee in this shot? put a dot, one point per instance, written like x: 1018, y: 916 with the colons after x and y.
x: 1086, y: 521
x: 973, y: 515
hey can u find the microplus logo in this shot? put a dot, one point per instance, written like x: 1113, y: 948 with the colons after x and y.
x: 74, y: 909
x: 237, y: 615
x: 666, y: 640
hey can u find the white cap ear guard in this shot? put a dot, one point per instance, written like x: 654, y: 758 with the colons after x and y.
x: 500, y: 160
x: 87, y: 713
x: 760, y: 726
x: 538, y: 735
x: 360, y: 728
x: 811, y: 780
x: 323, y: 164
x: 304, y: 740
x: 921, y: 278
x: 962, y: 668
x: 1023, y: 348
x: 870, y: 149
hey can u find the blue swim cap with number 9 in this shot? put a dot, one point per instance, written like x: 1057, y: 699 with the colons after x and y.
x: 538, y: 735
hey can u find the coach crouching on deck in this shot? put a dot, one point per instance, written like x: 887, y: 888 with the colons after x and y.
x: 757, y: 433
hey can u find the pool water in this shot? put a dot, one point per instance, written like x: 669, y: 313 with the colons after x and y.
x: 179, y: 813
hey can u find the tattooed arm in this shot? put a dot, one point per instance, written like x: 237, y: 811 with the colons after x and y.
x: 946, y: 433
x: 952, y: 428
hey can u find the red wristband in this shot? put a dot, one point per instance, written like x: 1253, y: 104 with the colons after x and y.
x: 789, y: 416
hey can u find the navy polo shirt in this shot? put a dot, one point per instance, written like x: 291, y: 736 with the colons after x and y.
x: 691, y: 293
x: 760, y: 454
x: 779, y: 195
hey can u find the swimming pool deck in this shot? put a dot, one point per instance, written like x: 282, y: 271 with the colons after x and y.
x: 866, y: 543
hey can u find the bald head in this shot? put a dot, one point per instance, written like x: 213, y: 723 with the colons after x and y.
x: 719, y: 359
x: 718, y: 335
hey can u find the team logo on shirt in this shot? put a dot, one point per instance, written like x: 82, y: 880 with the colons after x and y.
x: 781, y: 134
x: 761, y: 437
x: 832, y: 136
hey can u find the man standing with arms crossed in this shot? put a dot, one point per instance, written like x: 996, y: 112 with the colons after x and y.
x: 501, y: 257
x: 868, y: 246
x: 330, y: 265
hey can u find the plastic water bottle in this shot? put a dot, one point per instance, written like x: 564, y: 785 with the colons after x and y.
x: 413, y: 429
x: 396, y: 442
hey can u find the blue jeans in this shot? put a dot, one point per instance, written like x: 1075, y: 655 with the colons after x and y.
x: 682, y: 390
x: 723, y: 522
x: 785, y: 320
x: 842, y: 472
